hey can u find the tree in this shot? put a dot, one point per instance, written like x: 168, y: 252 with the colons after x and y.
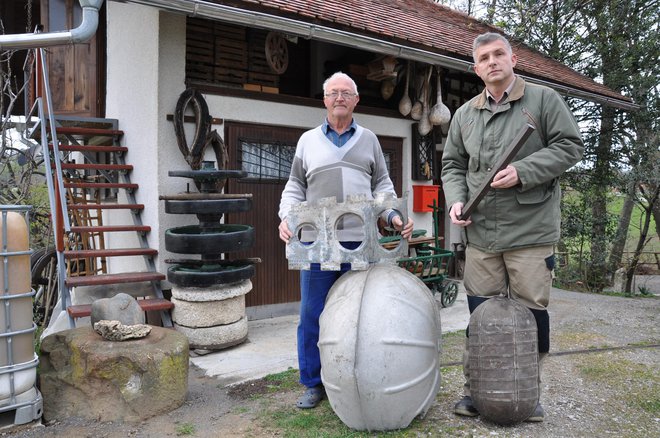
x: 621, y: 235
x: 467, y: 6
x: 615, y: 43
x: 635, y: 26
x: 21, y: 174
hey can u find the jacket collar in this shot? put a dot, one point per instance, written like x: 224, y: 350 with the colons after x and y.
x: 517, y: 92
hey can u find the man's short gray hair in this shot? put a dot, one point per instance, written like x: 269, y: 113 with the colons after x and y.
x: 487, y: 38
x: 340, y: 75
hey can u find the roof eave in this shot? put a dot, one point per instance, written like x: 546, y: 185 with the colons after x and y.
x: 200, y: 8
x: 583, y: 94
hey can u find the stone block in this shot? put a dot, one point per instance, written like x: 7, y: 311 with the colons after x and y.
x: 122, y: 307
x: 208, y: 313
x: 216, y: 338
x: 83, y: 375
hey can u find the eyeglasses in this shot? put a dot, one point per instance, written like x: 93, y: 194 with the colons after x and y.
x: 343, y: 94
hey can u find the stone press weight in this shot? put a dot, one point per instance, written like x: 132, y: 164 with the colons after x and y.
x: 209, y: 293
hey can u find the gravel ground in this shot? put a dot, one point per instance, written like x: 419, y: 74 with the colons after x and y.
x: 611, y: 392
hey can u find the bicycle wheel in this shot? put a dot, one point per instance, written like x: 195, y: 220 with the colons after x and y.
x: 45, y: 284
x: 36, y: 255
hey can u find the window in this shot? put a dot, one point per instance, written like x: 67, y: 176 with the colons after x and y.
x: 266, y: 160
x: 388, y: 161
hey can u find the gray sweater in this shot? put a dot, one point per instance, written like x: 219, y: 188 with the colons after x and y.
x: 321, y: 170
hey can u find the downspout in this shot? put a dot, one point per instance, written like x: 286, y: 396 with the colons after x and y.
x: 81, y: 34
x: 231, y: 14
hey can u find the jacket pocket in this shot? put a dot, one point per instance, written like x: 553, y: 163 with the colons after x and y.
x: 473, y: 164
x: 536, y: 195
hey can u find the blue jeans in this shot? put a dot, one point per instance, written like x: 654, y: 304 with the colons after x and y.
x: 314, y: 287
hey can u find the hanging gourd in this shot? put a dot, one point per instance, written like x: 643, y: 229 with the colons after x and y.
x: 440, y: 114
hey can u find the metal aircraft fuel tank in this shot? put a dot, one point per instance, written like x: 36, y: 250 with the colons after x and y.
x: 503, y: 361
x: 379, y: 342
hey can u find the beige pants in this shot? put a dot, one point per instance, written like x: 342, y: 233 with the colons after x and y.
x: 523, y: 273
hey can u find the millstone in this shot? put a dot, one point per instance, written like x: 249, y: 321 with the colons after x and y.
x: 216, y: 337
x: 85, y: 376
x: 208, y: 314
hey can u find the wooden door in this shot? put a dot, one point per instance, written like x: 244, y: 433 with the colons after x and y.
x: 75, y: 72
x: 266, y: 153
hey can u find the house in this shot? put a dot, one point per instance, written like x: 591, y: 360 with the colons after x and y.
x: 260, y: 65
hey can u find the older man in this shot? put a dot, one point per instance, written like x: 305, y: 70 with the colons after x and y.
x: 338, y: 158
x: 511, y: 233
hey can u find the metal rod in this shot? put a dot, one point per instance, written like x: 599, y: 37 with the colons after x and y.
x: 46, y: 154
x: 53, y: 134
x: 212, y: 261
x: 203, y: 196
x: 31, y: 329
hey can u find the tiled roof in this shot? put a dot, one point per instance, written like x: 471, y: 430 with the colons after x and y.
x: 421, y: 24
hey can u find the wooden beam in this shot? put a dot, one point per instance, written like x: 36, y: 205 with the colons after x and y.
x: 503, y: 161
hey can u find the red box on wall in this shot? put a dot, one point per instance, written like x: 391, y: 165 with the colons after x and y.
x: 423, y: 197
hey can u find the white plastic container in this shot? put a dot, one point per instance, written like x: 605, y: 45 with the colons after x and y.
x: 380, y: 345
x: 18, y: 363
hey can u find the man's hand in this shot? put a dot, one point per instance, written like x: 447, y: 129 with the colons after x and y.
x: 406, y: 231
x: 505, y: 178
x: 285, y: 233
x: 454, y: 214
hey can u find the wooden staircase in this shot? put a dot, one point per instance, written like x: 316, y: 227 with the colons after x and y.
x: 94, y: 173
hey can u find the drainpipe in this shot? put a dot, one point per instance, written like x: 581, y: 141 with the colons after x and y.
x: 81, y: 34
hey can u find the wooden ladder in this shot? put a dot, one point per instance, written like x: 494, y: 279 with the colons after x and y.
x: 99, y: 169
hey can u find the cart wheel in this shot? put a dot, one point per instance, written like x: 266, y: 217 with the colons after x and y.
x: 449, y: 293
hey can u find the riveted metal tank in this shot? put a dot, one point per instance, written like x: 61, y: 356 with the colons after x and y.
x: 503, y: 361
x: 379, y: 342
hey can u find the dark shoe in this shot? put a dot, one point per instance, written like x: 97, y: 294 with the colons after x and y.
x: 311, y: 398
x: 465, y: 407
x: 537, y: 416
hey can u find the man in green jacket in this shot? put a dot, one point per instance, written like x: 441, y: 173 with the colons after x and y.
x: 511, y: 233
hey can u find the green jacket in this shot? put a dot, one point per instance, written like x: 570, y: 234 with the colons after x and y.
x: 528, y: 214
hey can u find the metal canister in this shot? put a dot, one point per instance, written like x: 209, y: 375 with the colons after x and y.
x: 503, y: 361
